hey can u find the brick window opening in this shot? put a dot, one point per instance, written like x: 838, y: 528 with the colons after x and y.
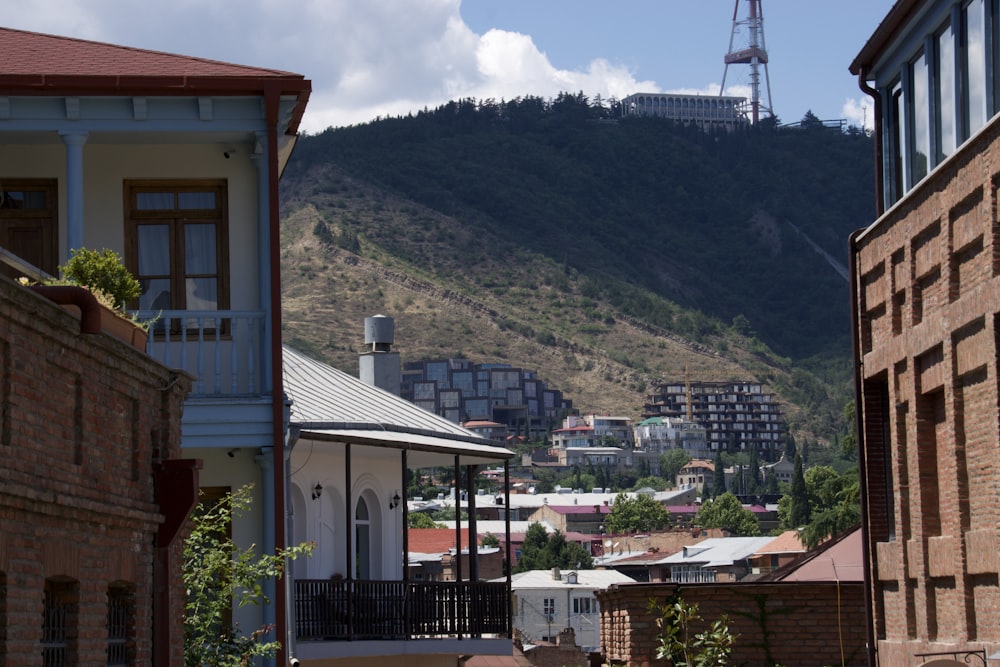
x: 121, y: 623
x: 59, y: 623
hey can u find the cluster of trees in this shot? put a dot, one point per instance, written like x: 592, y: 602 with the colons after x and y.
x: 542, y: 551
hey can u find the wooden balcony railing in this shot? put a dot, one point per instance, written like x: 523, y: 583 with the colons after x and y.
x: 398, y: 610
x: 222, y: 349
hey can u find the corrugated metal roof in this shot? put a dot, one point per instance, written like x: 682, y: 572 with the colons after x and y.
x: 329, y: 404
x: 719, y: 551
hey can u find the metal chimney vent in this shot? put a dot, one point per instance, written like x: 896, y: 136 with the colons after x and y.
x: 379, y: 333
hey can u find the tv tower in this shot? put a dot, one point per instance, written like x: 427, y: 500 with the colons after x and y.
x: 754, y: 54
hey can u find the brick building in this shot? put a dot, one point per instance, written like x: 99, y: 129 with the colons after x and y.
x: 926, y: 297
x: 93, y: 493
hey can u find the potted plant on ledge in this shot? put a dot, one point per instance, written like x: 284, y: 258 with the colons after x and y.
x: 91, y: 276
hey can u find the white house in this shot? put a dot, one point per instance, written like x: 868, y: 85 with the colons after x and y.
x: 546, y: 601
x: 350, y: 447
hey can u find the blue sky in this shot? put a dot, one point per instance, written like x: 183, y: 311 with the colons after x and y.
x: 370, y: 58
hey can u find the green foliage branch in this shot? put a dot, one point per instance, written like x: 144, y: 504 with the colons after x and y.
x: 680, y: 644
x: 217, y: 573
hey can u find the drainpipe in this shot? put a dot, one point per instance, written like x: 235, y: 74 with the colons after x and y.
x: 862, y: 464
x: 293, y: 437
x: 272, y: 340
x: 72, y: 295
x: 879, y: 165
x: 265, y: 461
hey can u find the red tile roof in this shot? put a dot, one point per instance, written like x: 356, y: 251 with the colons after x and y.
x: 432, y: 540
x: 36, y: 54
x: 32, y: 63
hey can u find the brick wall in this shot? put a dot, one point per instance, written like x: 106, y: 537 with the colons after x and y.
x: 928, y: 284
x: 84, y: 422
x: 807, y: 624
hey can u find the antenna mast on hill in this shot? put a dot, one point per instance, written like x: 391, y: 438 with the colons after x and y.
x: 753, y: 54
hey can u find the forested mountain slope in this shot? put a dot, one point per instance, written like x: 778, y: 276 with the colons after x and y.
x: 607, y: 254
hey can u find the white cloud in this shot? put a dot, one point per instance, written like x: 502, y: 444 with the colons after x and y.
x: 365, y: 59
x: 859, y: 112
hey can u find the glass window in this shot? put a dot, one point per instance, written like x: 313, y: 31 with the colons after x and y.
x: 549, y: 606
x: 897, y: 139
x: 176, y: 240
x: 28, y: 223
x: 974, y: 66
x: 920, y: 149
x: 947, y: 134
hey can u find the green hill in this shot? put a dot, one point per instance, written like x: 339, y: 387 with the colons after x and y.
x: 608, y: 254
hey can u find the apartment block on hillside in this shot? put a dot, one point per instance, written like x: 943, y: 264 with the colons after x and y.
x: 738, y: 416
x: 462, y: 391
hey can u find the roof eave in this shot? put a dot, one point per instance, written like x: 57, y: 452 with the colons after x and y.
x: 886, y: 30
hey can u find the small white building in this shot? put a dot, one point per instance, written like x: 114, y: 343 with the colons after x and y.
x: 546, y: 601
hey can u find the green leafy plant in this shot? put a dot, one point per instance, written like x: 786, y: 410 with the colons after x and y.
x: 683, y: 647
x: 103, y: 273
x: 216, y: 573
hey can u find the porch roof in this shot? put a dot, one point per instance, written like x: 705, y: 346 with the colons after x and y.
x: 328, y: 404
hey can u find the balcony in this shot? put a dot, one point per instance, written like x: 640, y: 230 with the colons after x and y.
x: 340, y: 610
x: 221, y: 349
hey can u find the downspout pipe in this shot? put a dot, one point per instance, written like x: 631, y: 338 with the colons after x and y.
x: 859, y: 412
x: 870, y: 640
x: 272, y: 102
x: 71, y: 295
x: 879, y: 150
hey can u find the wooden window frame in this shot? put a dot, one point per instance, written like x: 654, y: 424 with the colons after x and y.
x: 46, y: 219
x: 176, y: 219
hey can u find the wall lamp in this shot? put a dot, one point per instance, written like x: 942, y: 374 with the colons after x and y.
x: 317, y: 490
x: 394, y: 501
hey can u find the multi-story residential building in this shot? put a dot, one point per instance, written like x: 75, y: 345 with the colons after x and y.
x: 594, y: 431
x: 546, y: 601
x: 696, y: 474
x: 173, y: 162
x: 738, y: 416
x: 655, y: 435
x: 462, y: 391
x: 926, y: 304
x: 705, y: 111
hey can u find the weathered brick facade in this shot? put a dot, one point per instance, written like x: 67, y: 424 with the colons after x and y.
x: 806, y: 624
x: 87, y: 426
x: 927, y: 284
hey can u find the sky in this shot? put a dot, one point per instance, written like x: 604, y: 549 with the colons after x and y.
x: 376, y: 58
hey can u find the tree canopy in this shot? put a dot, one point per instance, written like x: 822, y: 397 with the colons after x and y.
x: 636, y: 514
x: 726, y: 512
x: 541, y: 551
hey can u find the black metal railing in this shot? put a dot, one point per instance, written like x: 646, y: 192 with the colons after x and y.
x: 327, y: 609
